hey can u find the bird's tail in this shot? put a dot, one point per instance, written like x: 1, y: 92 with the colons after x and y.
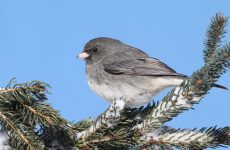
x: 219, y: 86
x: 182, y: 76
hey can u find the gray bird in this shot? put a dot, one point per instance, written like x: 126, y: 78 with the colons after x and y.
x: 116, y: 70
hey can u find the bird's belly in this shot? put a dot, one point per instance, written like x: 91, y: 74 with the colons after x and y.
x: 136, y: 90
x: 133, y: 96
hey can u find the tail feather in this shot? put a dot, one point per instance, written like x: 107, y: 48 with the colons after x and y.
x: 219, y: 86
x: 182, y: 76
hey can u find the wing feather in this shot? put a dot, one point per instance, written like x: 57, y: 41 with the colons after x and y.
x: 141, y: 67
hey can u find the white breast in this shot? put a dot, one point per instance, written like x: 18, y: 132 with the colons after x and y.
x: 139, y: 93
x: 134, y: 96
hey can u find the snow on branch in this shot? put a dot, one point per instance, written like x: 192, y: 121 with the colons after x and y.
x: 23, y: 110
x: 189, y: 92
x: 107, y: 120
x: 181, y: 98
x: 187, y: 139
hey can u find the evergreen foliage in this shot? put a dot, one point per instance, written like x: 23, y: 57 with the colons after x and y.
x: 25, y: 115
x: 32, y: 124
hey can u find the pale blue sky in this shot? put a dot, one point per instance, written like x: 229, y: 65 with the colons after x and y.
x: 39, y: 40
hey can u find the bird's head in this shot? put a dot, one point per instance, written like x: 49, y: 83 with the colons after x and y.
x: 98, y: 48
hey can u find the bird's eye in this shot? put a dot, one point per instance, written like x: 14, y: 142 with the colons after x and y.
x: 95, y: 50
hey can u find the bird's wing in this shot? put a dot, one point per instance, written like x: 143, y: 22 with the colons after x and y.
x: 140, y: 67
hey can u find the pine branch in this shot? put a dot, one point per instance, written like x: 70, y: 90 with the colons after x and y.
x: 181, y: 98
x: 83, y: 124
x: 20, y: 135
x: 189, y: 139
x: 171, y: 105
x: 108, y: 139
x: 107, y: 120
x: 216, y: 66
x: 26, y: 103
x: 214, y: 35
x: 28, y: 100
x: 190, y: 92
x: 23, y: 109
x: 57, y: 137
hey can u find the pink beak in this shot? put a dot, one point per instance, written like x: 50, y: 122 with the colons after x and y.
x: 83, y: 55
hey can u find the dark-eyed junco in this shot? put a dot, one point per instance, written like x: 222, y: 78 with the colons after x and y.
x: 116, y: 70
